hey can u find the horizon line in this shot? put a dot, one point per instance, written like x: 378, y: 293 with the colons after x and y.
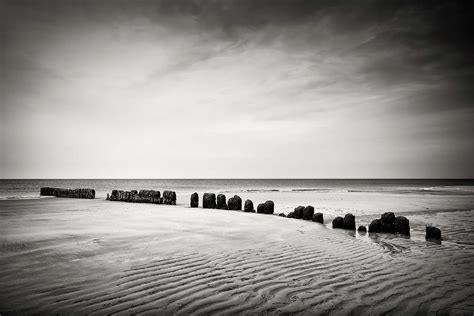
x: 351, y: 178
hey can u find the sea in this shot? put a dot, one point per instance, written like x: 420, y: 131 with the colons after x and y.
x: 359, y: 196
x: 29, y: 188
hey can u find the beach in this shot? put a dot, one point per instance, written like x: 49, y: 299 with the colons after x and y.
x: 62, y: 256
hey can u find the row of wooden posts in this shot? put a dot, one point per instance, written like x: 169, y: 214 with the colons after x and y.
x: 387, y: 223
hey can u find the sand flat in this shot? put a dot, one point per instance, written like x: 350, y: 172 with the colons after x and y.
x: 99, y: 257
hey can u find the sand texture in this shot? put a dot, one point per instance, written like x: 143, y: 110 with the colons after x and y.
x: 96, y: 257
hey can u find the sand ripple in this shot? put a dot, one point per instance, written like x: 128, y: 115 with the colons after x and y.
x: 337, y: 274
x: 312, y: 270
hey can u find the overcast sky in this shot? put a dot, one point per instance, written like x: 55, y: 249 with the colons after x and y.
x: 248, y: 89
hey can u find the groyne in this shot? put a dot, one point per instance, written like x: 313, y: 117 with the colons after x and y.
x: 68, y: 193
x: 143, y: 196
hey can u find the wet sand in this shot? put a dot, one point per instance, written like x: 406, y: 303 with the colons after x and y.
x: 94, y: 256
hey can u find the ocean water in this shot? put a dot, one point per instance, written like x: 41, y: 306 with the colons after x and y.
x: 360, y: 196
x: 29, y: 188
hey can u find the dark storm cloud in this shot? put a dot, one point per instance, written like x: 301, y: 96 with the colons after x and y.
x: 411, y: 42
x: 407, y: 38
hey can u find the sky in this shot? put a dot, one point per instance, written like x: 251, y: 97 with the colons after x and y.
x: 236, y: 89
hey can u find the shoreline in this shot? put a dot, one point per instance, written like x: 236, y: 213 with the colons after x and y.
x: 419, y: 218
